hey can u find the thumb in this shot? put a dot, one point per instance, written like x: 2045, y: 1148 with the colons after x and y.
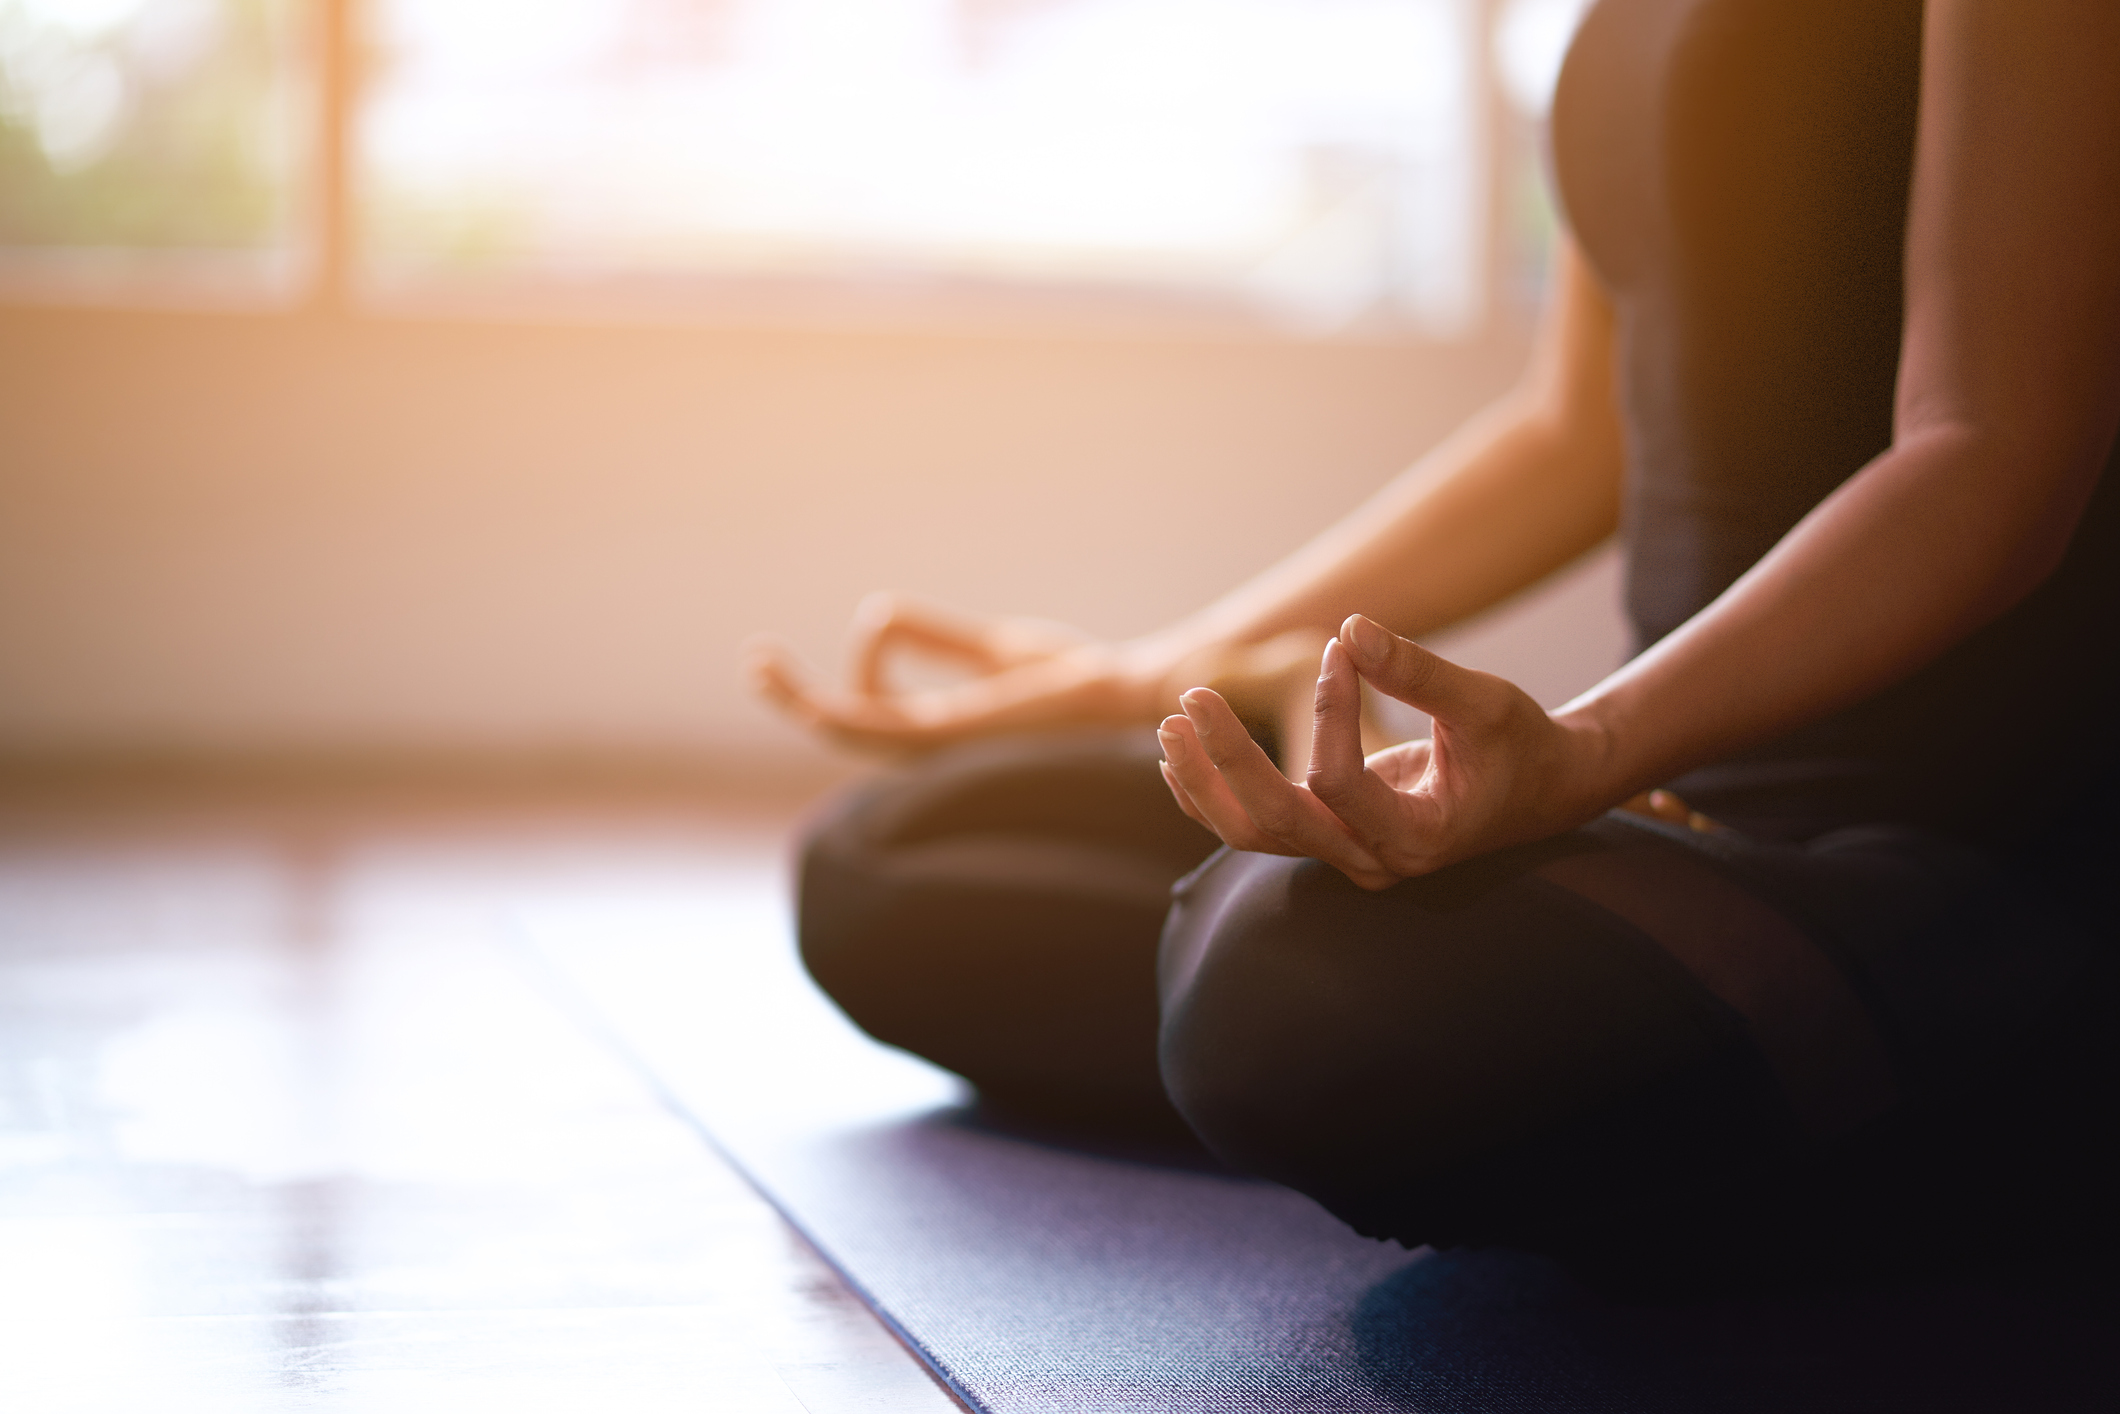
x: 1399, y: 667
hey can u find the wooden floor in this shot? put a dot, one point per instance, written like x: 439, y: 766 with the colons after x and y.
x: 285, y: 1124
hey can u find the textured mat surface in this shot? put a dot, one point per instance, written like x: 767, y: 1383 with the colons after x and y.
x: 1038, y: 1278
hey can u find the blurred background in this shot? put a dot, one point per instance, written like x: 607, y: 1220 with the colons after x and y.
x: 447, y: 384
x: 408, y: 407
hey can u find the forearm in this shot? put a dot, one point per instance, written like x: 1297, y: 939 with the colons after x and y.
x: 2006, y: 412
x: 2007, y: 406
x: 1940, y: 535
x: 1519, y: 491
x: 1495, y: 508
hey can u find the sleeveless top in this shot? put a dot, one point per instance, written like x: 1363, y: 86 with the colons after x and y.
x: 1736, y: 173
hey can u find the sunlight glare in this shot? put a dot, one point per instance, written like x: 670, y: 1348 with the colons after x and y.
x: 1314, y: 155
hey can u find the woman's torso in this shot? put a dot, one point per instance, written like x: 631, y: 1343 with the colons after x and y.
x: 1737, y: 173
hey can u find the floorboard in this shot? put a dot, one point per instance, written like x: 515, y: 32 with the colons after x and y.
x: 284, y: 1125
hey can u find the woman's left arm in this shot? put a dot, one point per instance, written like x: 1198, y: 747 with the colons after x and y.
x: 2008, y: 403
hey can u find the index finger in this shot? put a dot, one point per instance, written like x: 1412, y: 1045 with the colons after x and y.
x: 1033, y: 695
x: 1380, y: 818
x: 871, y: 722
x: 1276, y: 806
x: 883, y: 620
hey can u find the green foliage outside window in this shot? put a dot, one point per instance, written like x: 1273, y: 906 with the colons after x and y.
x: 148, y: 123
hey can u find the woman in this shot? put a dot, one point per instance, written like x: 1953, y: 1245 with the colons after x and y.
x: 1836, y: 346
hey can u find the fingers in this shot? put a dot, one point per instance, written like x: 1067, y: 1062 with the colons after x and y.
x: 1203, y: 794
x: 1250, y: 803
x: 909, y: 723
x: 1185, y: 801
x: 1273, y: 681
x: 1026, y: 697
x: 1336, y: 730
x: 1401, y: 668
x: 1389, y: 824
x: 860, y: 721
x: 1248, y: 774
x: 883, y: 622
x: 771, y: 669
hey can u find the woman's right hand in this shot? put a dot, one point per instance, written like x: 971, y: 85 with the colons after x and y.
x: 1021, y: 675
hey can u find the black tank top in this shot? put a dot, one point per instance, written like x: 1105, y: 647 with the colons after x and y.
x: 1736, y: 172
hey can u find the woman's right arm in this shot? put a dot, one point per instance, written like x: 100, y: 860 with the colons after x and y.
x: 1521, y: 489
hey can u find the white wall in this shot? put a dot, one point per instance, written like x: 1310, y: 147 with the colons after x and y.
x: 229, y: 533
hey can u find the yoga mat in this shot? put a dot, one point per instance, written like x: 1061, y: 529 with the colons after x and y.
x: 1036, y: 1279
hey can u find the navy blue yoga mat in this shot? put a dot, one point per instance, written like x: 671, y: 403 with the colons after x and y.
x: 1034, y: 1277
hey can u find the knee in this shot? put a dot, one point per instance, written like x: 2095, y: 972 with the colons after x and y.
x: 980, y: 944
x: 843, y: 926
x: 1267, y: 1046
x: 920, y: 873
x: 1025, y: 964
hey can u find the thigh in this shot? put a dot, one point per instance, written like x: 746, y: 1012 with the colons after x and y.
x: 1477, y: 1056
x: 1626, y: 1028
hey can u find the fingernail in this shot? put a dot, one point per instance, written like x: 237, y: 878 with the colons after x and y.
x: 1369, y: 640
x: 1189, y: 701
x: 1173, y: 744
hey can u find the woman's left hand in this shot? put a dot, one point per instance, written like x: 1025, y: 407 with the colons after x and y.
x: 1499, y: 770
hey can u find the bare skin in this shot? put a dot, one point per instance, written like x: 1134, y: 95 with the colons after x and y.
x: 2008, y: 402
x: 1553, y: 444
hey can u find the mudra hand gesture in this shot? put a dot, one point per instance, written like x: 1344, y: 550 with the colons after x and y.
x: 1497, y: 770
x: 1022, y: 674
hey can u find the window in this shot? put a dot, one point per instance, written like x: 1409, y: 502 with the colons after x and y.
x: 1311, y: 160
x: 145, y: 137
x: 1319, y: 165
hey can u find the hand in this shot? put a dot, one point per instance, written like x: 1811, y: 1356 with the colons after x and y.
x: 1498, y: 771
x: 1021, y: 675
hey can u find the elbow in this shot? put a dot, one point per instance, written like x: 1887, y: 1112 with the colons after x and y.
x: 2034, y: 560
x: 2064, y: 482
x: 2030, y: 496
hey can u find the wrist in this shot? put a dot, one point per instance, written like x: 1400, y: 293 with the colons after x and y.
x: 1594, y: 777
x: 1150, y: 671
x: 1143, y: 675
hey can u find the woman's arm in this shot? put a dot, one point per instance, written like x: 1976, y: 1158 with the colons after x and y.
x: 2008, y: 404
x: 1519, y: 491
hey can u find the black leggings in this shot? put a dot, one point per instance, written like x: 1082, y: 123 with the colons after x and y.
x: 1629, y: 1032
